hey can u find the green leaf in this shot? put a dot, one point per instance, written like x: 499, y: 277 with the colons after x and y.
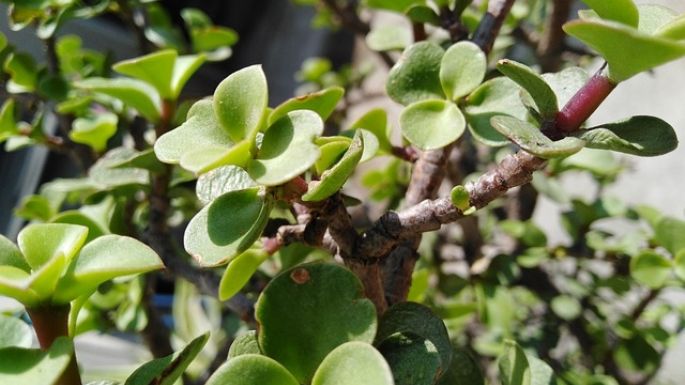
x: 240, y: 101
x: 287, y: 148
x: 331, y: 153
x: 543, y: 95
x: 653, y: 17
x: 134, y: 93
x: 14, y: 332
x: 8, y: 125
x: 463, y: 370
x: 220, y: 181
x: 239, y: 271
x: 226, y: 227
x: 342, y: 314
x: 215, y: 41
x: 623, y: 11
x: 392, y: 5
x: 413, y: 360
x: 416, y: 76
x: 674, y: 30
x: 184, y: 67
x: 252, y: 369
x: 11, y: 256
x: 651, y: 269
x: 566, y: 307
x: 19, y: 366
x: 389, y: 37
x: 167, y: 370
x: 42, y: 242
x: 322, y: 102
x: 514, y: 368
x: 498, y: 96
x: 3, y: 41
x: 532, y: 140
x: 410, y: 318
x: 244, y: 344
x: 420, y: 13
x: 332, y: 180
x: 566, y: 83
x: 376, y: 122
x: 200, y: 134
x: 35, y: 207
x: 432, y: 124
x: 679, y: 265
x: 106, y: 174
x: 22, y: 69
x: 353, y: 363
x: 106, y: 257
x: 75, y: 217
x: 94, y: 132
x: 668, y: 233
x: 462, y: 69
x: 145, y: 159
x: 14, y: 283
x: 627, y: 51
x: 639, y: 135
x: 155, y: 69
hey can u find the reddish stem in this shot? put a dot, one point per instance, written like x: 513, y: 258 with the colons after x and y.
x: 50, y: 323
x: 584, y: 103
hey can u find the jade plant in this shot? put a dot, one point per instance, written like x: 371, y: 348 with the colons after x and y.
x: 318, y: 240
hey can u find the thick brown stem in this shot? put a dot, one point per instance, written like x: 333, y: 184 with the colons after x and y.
x: 552, y: 42
x: 50, y: 323
x: 491, y: 23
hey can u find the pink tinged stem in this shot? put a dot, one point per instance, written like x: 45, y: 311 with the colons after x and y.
x: 584, y: 103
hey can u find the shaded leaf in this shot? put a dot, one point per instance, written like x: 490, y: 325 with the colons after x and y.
x: 11, y: 256
x: 166, y: 370
x: 413, y: 360
x: 432, y: 124
x: 19, y: 366
x: 392, y: 5
x: 226, y: 227
x: 342, y: 314
x: 639, y: 135
x: 244, y: 344
x: 670, y: 234
x: 376, y: 122
x: 532, y: 140
x: 14, y: 332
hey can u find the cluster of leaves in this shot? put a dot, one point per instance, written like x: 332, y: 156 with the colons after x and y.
x: 228, y: 169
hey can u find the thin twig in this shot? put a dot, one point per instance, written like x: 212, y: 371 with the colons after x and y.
x: 552, y: 43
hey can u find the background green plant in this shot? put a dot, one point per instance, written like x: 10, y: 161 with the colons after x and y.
x: 261, y: 293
